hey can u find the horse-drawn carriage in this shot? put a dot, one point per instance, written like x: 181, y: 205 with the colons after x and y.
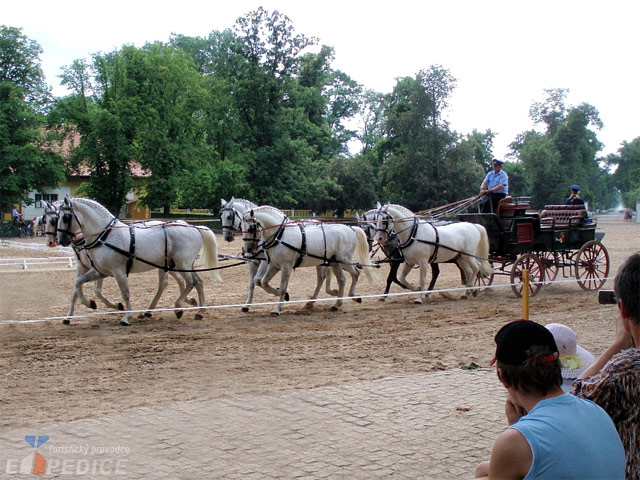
x: 559, y: 239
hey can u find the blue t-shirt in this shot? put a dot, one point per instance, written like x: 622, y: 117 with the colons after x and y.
x: 494, y: 179
x: 572, y: 438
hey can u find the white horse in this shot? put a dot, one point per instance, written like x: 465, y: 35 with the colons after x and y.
x: 231, y: 220
x: 289, y: 245
x: 49, y: 220
x: 115, y: 249
x: 423, y: 243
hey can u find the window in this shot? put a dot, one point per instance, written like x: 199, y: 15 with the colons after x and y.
x: 47, y: 197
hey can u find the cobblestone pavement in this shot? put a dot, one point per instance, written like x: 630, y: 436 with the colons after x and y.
x: 430, y: 425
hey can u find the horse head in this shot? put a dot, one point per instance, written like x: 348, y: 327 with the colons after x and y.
x: 65, y: 227
x: 384, y: 224
x: 250, y: 236
x: 49, y: 220
x: 230, y: 219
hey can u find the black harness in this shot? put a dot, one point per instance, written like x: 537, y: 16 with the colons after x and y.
x: 412, y: 238
x: 302, y: 250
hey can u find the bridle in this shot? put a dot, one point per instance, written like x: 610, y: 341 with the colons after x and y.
x: 230, y: 214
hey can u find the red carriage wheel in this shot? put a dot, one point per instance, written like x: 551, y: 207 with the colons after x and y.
x: 536, y: 275
x: 550, y: 262
x: 483, y: 282
x: 592, y: 266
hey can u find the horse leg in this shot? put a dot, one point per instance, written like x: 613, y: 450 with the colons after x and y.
x: 355, y: 275
x: 253, y: 266
x: 341, y: 279
x: 435, y: 273
x: 330, y: 291
x: 81, y: 270
x: 123, y: 283
x: 191, y: 279
x: 199, y: 286
x: 97, y: 290
x: 402, y: 278
x: 177, y: 276
x: 91, y: 275
x: 466, y: 274
x: 163, y: 281
x: 321, y: 274
x: 424, y: 265
x: 285, y: 273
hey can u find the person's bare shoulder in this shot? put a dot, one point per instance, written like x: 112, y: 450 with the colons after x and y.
x: 511, y: 456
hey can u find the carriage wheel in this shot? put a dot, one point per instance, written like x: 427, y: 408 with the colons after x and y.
x: 550, y: 262
x: 592, y: 266
x: 536, y: 275
x: 483, y: 282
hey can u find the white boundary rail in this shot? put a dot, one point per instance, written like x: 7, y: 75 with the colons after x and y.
x: 25, y: 262
x: 237, y: 305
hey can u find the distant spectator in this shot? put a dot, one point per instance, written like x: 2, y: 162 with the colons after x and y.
x: 16, y: 216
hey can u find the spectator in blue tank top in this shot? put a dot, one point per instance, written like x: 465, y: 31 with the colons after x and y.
x: 495, y: 187
x: 551, y: 434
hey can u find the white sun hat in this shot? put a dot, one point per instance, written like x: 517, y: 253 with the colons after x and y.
x: 574, y: 359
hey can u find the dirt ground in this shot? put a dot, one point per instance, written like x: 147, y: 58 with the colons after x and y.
x: 51, y: 372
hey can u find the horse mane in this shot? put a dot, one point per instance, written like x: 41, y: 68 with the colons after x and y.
x: 404, y: 210
x: 268, y: 207
x: 93, y: 203
x: 245, y: 202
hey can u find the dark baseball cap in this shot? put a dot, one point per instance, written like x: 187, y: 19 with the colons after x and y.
x: 515, y: 338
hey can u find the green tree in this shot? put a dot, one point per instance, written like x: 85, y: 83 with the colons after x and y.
x: 26, y: 161
x: 565, y: 153
x: 419, y: 154
x: 105, y: 118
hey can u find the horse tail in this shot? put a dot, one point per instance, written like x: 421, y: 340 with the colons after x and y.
x: 362, y: 254
x: 210, y: 252
x: 483, y: 251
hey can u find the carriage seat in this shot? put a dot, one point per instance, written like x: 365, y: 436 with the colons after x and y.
x: 562, y: 216
x: 508, y: 208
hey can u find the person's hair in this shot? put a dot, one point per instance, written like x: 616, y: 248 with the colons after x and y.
x: 627, y: 286
x: 533, y: 377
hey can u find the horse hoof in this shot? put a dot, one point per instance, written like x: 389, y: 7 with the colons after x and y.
x: 93, y: 305
x: 122, y: 323
x: 357, y: 300
x: 475, y: 293
x: 120, y: 306
x: 192, y: 301
x: 334, y: 308
x: 417, y: 301
x: 147, y: 314
x: 66, y: 321
x: 198, y: 317
x: 179, y: 314
x: 286, y: 296
x: 245, y: 309
x: 463, y: 297
x: 275, y: 314
x: 309, y: 305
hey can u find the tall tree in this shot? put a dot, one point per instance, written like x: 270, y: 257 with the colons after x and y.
x: 419, y: 159
x: 26, y: 162
x: 565, y: 153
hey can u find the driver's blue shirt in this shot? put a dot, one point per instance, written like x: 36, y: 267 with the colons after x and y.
x: 494, y: 179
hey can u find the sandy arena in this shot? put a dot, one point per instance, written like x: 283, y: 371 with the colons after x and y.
x: 54, y: 375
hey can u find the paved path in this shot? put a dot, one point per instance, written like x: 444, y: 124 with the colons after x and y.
x: 430, y: 425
